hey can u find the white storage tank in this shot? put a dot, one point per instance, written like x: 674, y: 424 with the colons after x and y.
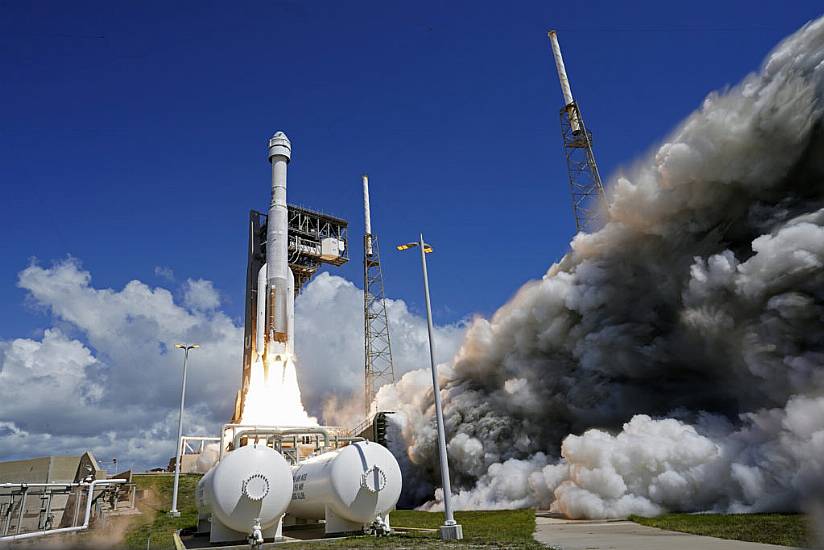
x: 349, y: 488
x: 246, y: 494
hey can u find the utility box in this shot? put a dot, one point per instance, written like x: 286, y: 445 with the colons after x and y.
x: 330, y: 249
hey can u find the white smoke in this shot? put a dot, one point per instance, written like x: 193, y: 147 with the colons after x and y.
x: 329, y: 346
x: 683, y: 340
x: 207, y: 458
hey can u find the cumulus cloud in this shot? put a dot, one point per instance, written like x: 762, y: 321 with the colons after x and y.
x: 164, y: 272
x: 105, y: 375
x: 681, y: 341
x: 200, y: 294
x: 329, y: 345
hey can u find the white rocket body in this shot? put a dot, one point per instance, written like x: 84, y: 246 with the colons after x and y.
x: 276, y: 282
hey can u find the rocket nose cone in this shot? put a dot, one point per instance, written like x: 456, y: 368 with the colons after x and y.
x: 279, y: 145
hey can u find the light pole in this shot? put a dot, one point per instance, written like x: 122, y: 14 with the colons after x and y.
x: 450, y: 530
x: 174, y: 512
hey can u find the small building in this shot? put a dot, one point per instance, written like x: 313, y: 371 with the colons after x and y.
x: 24, y: 509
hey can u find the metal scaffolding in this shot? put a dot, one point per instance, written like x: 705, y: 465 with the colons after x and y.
x: 379, y: 369
x: 588, y: 197
x: 315, y: 239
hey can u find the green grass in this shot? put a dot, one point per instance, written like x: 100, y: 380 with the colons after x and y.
x: 509, y: 526
x: 494, y: 529
x: 783, y: 529
x: 488, y: 530
x: 155, y: 521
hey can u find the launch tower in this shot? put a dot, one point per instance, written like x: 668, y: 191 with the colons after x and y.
x: 379, y: 369
x: 588, y: 197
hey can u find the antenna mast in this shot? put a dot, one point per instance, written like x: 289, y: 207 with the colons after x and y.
x: 379, y: 369
x: 588, y: 196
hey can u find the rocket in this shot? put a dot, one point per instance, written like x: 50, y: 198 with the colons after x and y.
x: 276, y: 282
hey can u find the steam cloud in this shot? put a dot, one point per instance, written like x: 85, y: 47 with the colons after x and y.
x: 684, y: 341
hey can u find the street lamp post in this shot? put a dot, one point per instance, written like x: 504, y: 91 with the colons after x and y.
x: 174, y: 511
x: 450, y: 530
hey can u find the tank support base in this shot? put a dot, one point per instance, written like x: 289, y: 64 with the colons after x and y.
x: 336, y: 525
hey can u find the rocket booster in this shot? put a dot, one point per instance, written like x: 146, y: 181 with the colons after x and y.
x: 276, y: 282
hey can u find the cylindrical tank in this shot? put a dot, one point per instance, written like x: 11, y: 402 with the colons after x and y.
x: 358, y: 483
x: 253, y: 482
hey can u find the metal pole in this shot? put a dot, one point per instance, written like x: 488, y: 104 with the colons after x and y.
x: 174, y: 512
x: 22, y: 509
x: 9, y: 512
x: 48, y: 510
x: 450, y: 530
x: 79, y: 494
x: 86, y: 521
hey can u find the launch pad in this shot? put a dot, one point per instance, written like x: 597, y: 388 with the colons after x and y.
x: 273, y: 467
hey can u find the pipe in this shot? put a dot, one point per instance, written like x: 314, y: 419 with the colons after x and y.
x: 8, y: 515
x: 44, y: 514
x: 367, y: 217
x: 22, y: 509
x: 259, y: 429
x: 562, y: 76
x: 25, y: 488
x: 89, y: 499
x: 26, y: 484
x: 76, y: 508
x: 280, y: 432
x: 559, y: 64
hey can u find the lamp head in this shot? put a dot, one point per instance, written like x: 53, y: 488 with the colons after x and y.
x: 426, y: 248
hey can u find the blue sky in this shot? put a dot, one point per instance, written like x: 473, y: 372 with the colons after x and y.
x: 133, y: 135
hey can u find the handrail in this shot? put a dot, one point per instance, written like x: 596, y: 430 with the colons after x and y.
x: 86, y: 519
x: 364, y: 423
x: 280, y: 432
x: 239, y: 430
x: 24, y: 484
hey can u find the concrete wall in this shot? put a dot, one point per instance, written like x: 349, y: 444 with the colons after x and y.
x: 38, y: 511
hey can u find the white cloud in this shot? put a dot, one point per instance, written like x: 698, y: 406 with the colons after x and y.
x: 329, y: 344
x: 105, y: 376
x: 164, y: 272
x: 200, y: 294
x: 114, y: 387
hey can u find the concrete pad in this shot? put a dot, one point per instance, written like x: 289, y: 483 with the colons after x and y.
x: 568, y: 534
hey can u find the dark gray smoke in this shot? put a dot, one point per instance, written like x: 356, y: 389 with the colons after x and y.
x: 684, y: 340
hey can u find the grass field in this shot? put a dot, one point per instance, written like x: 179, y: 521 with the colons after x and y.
x: 783, y: 529
x: 482, y: 530
x: 498, y: 529
x: 154, y: 523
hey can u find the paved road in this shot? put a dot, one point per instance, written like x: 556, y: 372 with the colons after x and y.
x: 627, y: 535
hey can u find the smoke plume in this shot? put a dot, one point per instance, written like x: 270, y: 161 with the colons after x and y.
x: 683, y: 342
